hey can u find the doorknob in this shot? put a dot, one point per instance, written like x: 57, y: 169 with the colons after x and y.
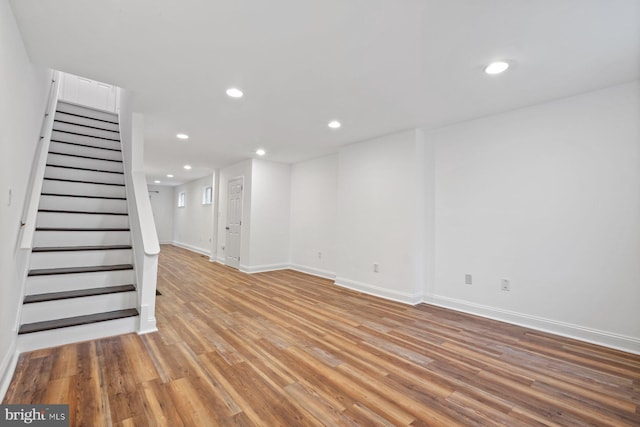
x: 226, y: 228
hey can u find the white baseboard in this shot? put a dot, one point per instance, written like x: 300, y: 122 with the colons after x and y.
x: 607, y: 339
x: 377, y: 291
x: 262, y: 268
x: 325, y: 274
x: 192, y: 248
x: 219, y: 259
x: 147, y: 322
x: 7, y: 368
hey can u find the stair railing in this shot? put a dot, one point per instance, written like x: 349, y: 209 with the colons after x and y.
x: 36, y: 177
x: 143, y: 230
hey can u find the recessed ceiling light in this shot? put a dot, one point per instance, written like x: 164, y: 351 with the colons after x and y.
x: 182, y: 136
x: 260, y: 152
x: 187, y: 167
x: 169, y: 175
x: 334, y: 124
x: 156, y: 181
x: 234, y: 92
x: 496, y: 67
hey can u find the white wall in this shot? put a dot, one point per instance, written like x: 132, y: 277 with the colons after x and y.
x: 314, y: 204
x: 193, y: 223
x: 381, y: 209
x: 244, y: 170
x: 549, y: 197
x: 24, y: 90
x: 270, y: 212
x: 161, y: 198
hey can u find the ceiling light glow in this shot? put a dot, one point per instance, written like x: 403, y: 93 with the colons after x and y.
x: 187, y: 167
x: 169, y: 175
x: 334, y: 124
x: 496, y: 67
x: 156, y: 181
x: 182, y: 136
x: 260, y: 152
x: 234, y: 92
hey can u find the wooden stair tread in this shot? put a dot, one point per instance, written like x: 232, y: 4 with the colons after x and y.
x: 85, y: 126
x: 83, y: 169
x: 79, y: 248
x: 80, y: 229
x: 86, y: 117
x: 82, y: 212
x: 82, y: 196
x: 55, y: 296
x: 84, y: 134
x: 76, y: 321
x: 83, y: 182
x: 85, y: 145
x: 85, y: 157
x: 72, y: 270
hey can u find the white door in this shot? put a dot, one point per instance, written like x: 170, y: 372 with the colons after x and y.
x: 234, y: 223
x: 83, y: 91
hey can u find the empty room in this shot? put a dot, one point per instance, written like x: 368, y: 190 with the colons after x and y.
x: 338, y: 213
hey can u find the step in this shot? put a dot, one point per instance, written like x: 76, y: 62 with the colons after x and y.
x: 81, y: 306
x: 59, y: 136
x: 79, y: 281
x: 81, y: 163
x: 80, y: 221
x: 74, y: 270
x: 86, y: 112
x: 82, y: 189
x: 55, y: 296
x: 85, y: 121
x: 86, y: 131
x: 82, y: 204
x: 83, y: 332
x: 52, y: 257
x: 77, y: 175
x: 81, y: 150
x: 63, y: 237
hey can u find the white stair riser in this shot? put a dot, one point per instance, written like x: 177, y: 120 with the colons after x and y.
x: 80, y: 238
x: 82, y: 204
x: 73, y: 282
x: 83, y: 130
x: 72, y: 307
x: 62, y: 336
x: 70, y: 118
x: 78, y: 150
x: 67, y: 220
x: 80, y: 258
x: 82, y: 189
x: 76, y: 109
x: 80, y: 175
x: 79, y: 162
x: 86, y: 140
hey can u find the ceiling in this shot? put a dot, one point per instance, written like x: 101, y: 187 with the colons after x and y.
x: 377, y: 66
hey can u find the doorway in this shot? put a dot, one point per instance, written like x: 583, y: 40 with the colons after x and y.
x: 234, y: 223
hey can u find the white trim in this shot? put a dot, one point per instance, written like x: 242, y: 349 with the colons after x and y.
x: 263, y: 268
x: 7, y: 368
x: 147, y: 320
x: 192, y: 248
x: 377, y: 291
x: 325, y: 274
x: 594, y: 336
x: 219, y: 259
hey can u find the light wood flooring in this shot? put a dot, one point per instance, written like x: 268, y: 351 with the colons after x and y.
x: 288, y: 349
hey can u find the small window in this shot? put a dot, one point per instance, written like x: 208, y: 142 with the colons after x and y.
x: 207, y: 195
x: 181, y: 200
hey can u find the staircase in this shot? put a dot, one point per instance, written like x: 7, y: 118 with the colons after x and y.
x: 81, y: 281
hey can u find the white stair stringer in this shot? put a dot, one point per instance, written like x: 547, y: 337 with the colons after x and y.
x: 81, y: 279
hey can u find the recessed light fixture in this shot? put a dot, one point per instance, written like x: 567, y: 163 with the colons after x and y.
x: 496, y: 67
x: 234, y: 92
x: 334, y: 124
x: 187, y: 167
x: 156, y: 182
x: 260, y: 152
x: 169, y: 175
x: 182, y: 136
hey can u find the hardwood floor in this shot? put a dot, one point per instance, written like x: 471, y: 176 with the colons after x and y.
x: 288, y: 349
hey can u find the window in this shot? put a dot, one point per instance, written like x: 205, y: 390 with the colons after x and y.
x: 181, y: 200
x: 207, y: 195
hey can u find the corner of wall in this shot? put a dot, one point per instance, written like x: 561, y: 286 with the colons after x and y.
x: 8, y: 367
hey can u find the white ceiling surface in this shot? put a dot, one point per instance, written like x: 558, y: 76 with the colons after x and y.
x: 378, y: 66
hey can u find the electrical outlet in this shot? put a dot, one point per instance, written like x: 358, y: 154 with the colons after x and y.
x: 375, y: 268
x: 505, y: 284
x: 468, y: 280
